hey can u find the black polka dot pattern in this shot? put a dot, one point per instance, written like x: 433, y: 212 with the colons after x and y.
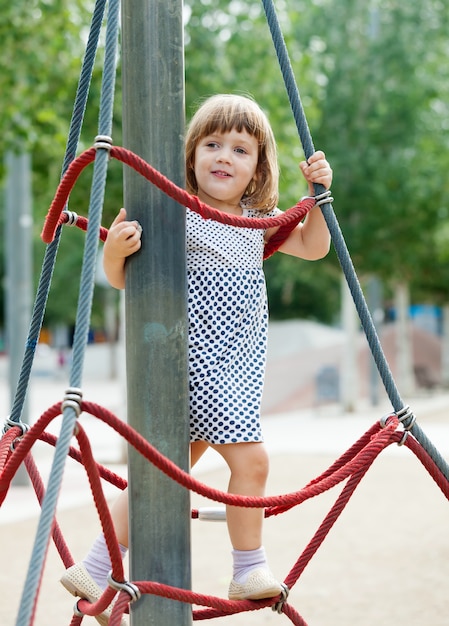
x: 228, y: 322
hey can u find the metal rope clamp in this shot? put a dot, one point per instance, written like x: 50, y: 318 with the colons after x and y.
x: 403, y: 415
x: 407, y: 418
x: 9, y: 423
x: 131, y: 589
x: 280, y: 603
x: 324, y: 198
x: 385, y: 418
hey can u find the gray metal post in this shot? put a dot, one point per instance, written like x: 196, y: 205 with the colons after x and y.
x: 18, y: 263
x: 155, y: 304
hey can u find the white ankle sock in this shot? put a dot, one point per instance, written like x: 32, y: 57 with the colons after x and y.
x: 98, y: 562
x: 247, y: 560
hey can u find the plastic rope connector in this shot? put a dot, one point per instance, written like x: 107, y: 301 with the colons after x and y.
x: 73, y: 398
x: 72, y: 218
x: 103, y: 142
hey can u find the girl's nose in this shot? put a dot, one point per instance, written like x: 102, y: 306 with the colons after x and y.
x: 224, y: 156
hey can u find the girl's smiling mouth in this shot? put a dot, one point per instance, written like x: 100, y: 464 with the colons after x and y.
x: 221, y: 173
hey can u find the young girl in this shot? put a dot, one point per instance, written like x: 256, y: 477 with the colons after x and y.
x: 231, y: 165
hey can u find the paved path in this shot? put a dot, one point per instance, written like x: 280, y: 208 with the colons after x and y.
x: 386, y: 561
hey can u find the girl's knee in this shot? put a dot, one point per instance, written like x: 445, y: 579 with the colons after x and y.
x: 255, y: 463
x: 262, y: 463
x: 246, y: 460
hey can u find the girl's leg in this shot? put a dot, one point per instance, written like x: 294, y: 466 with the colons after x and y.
x: 89, y: 578
x: 197, y: 449
x: 97, y: 561
x: 119, y: 510
x: 119, y: 513
x: 249, y: 466
x: 252, y: 578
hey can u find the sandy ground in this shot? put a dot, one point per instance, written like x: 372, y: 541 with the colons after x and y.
x: 386, y: 560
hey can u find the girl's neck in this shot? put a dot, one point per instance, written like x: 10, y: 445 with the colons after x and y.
x: 232, y: 210
x: 224, y: 207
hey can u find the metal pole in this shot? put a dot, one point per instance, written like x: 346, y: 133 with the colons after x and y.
x: 155, y: 304
x: 18, y: 263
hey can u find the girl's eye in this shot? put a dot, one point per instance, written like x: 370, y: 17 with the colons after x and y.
x: 240, y: 150
x: 212, y: 144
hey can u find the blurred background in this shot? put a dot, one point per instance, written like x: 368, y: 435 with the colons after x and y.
x: 374, y: 82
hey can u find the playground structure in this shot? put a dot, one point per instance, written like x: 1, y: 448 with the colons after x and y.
x: 398, y: 427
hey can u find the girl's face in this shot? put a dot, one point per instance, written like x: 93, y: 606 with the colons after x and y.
x: 225, y: 164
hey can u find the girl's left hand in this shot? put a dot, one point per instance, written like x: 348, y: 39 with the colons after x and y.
x: 317, y: 170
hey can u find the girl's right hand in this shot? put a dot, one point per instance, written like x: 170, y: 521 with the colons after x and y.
x: 317, y: 170
x: 124, y: 237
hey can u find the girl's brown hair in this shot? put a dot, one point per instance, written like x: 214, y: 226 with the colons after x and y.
x: 223, y: 113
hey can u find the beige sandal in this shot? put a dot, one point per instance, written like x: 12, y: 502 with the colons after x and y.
x: 260, y: 584
x: 79, y: 582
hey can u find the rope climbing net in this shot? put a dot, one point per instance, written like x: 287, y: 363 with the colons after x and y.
x: 16, y: 445
x: 348, y: 470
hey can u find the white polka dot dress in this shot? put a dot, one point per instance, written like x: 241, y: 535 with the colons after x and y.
x: 228, y: 323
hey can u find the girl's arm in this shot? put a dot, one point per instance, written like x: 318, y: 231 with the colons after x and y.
x: 124, y: 238
x: 310, y: 240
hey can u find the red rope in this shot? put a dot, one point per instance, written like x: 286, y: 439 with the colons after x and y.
x: 5, y: 444
x: 57, y: 216
x: 351, y: 466
x: 101, y: 504
x: 39, y: 489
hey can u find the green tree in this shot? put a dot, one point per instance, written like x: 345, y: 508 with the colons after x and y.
x: 374, y: 85
x: 43, y: 47
x: 381, y: 120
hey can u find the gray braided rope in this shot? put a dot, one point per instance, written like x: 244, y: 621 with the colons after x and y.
x: 97, y: 197
x: 48, y: 509
x: 51, y: 251
x: 339, y: 242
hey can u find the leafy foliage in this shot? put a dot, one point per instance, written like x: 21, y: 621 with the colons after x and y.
x: 374, y: 83
x: 382, y: 130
